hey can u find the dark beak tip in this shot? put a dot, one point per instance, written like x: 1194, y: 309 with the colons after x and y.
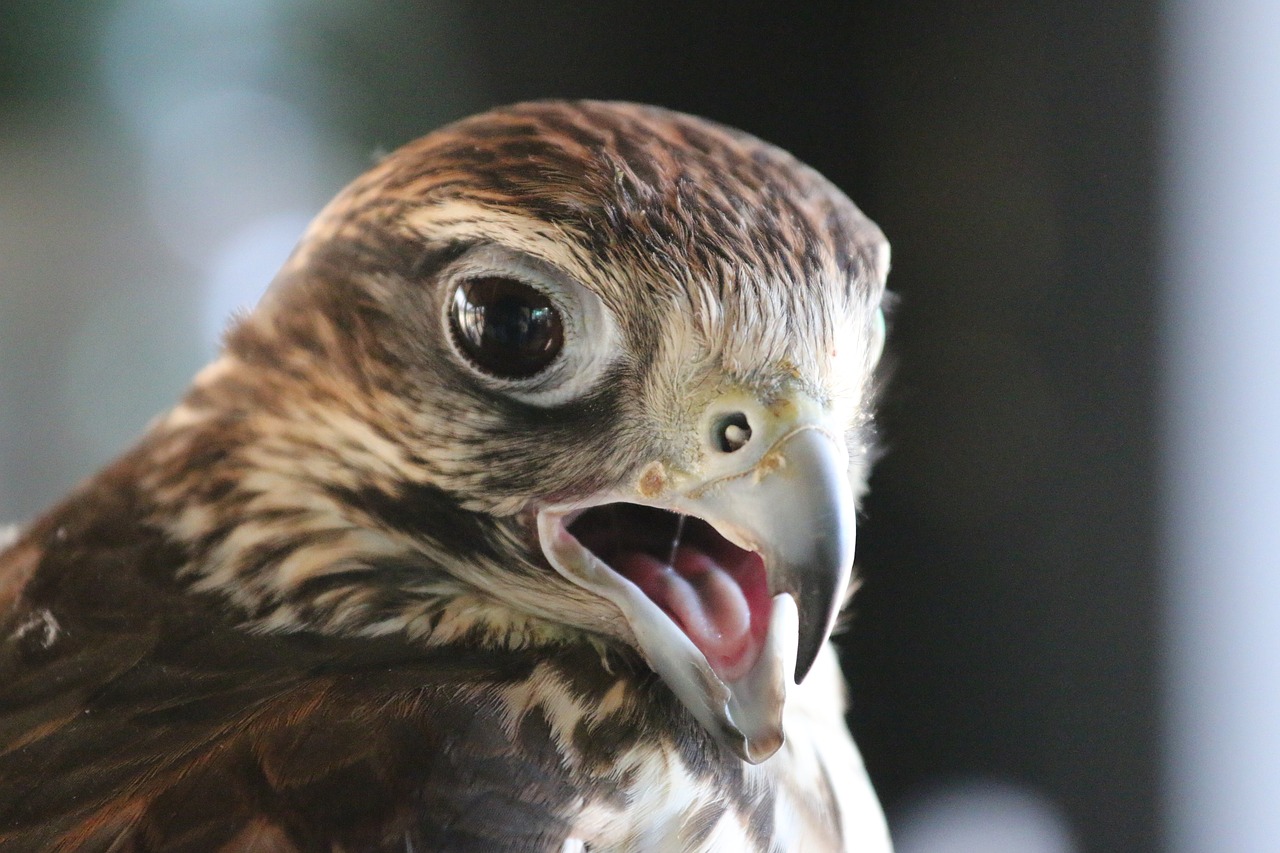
x: 819, y: 604
x: 806, y: 657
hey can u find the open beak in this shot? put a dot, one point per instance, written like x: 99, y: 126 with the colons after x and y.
x: 729, y: 582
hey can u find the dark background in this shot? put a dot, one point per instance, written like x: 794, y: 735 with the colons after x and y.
x: 1006, y: 631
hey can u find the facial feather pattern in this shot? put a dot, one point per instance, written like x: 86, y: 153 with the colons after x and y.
x: 344, y: 490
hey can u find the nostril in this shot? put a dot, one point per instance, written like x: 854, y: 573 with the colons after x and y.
x: 732, y: 432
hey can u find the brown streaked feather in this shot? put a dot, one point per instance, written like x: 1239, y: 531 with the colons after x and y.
x: 151, y: 707
x: 361, y: 744
x: 180, y: 732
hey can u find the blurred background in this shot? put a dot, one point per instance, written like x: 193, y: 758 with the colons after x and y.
x: 1069, y: 633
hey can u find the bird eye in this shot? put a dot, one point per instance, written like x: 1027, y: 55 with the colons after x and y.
x: 506, y: 327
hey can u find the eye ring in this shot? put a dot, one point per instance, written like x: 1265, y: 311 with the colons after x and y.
x: 506, y: 327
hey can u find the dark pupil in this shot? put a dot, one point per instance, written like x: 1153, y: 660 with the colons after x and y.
x: 506, y: 327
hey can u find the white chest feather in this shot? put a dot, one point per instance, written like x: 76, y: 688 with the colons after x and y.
x: 815, y: 792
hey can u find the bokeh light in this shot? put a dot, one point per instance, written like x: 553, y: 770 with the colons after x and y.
x: 982, y: 817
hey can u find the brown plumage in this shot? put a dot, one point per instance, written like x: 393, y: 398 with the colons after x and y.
x: 342, y: 596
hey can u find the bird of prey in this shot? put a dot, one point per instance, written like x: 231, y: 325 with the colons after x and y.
x: 516, y: 516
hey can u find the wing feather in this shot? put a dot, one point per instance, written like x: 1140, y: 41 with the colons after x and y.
x: 162, y: 727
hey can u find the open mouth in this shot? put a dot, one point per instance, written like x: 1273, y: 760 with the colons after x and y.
x: 729, y: 591
x: 714, y: 591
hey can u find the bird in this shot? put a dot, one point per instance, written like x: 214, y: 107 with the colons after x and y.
x: 517, y: 515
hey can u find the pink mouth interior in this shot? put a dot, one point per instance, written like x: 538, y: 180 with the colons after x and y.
x: 716, y: 592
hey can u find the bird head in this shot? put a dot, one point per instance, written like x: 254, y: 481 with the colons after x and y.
x: 603, y: 366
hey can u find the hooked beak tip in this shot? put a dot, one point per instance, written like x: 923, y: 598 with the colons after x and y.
x: 814, y: 532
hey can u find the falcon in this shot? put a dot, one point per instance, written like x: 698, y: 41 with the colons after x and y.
x: 516, y: 516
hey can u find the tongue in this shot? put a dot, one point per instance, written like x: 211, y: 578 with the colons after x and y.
x: 705, y: 599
